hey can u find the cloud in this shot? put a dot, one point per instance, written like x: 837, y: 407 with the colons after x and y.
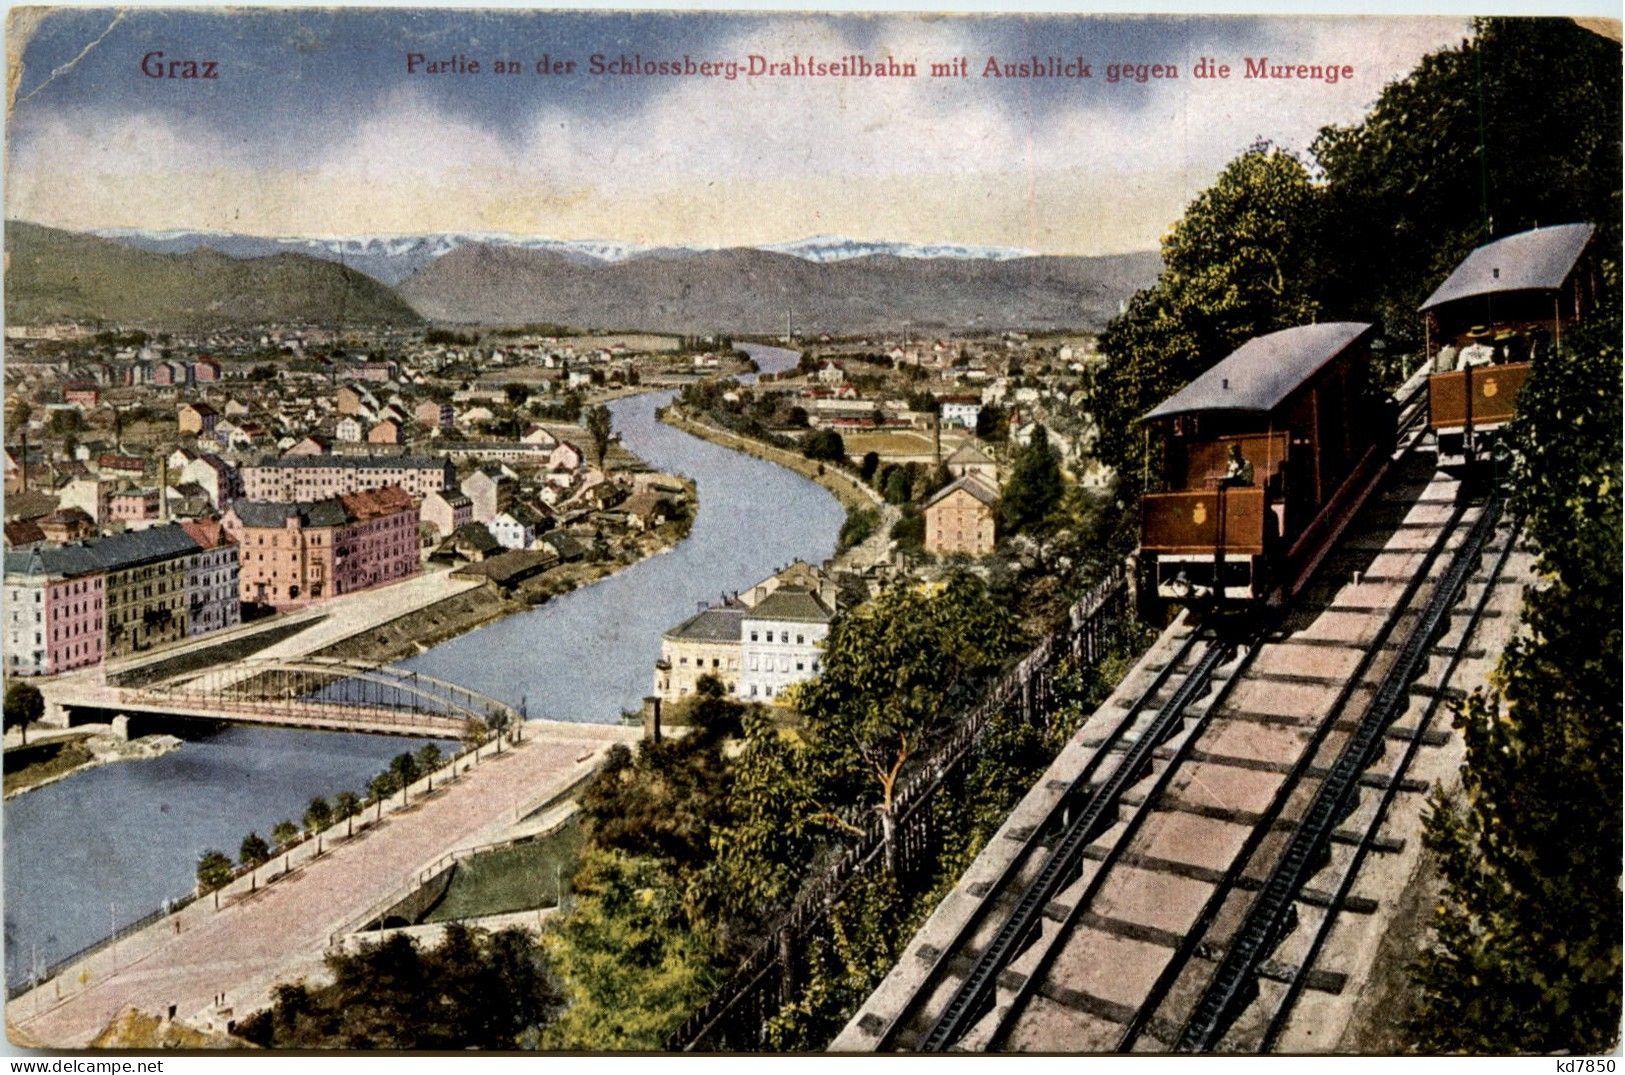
x: 1074, y: 167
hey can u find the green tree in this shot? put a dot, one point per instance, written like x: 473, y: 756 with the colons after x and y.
x: 1035, y: 487
x: 631, y: 969
x: 404, y: 768
x: 254, y: 851
x: 318, y: 815
x: 898, y: 485
x: 871, y: 461
x: 284, y: 833
x: 778, y: 819
x: 826, y: 445
x: 213, y: 871
x: 18, y: 412
x: 859, y: 524
x: 429, y: 758
x: 600, y: 428
x: 346, y: 805
x: 1517, y: 127
x: 516, y: 394
x: 992, y: 424
x: 664, y: 801
x: 909, y: 530
x: 383, y: 785
x: 892, y: 669
x: 65, y: 423
x: 24, y: 704
x: 475, y: 990
x: 1241, y: 262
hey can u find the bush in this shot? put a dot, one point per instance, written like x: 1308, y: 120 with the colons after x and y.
x: 860, y: 523
x: 826, y: 445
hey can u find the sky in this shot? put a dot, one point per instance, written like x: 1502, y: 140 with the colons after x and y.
x: 315, y: 126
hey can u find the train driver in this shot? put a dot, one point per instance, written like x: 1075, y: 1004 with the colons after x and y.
x: 1237, y: 470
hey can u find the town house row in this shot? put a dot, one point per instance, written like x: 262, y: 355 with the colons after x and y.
x: 68, y: 606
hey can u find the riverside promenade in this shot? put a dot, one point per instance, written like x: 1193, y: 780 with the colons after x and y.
x: 275, y: 924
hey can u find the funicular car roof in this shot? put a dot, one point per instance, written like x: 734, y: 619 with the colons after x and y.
x: 1261, y: 373
x: 1536, y: 260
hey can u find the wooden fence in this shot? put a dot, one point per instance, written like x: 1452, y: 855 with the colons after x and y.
x: 735, y: 1017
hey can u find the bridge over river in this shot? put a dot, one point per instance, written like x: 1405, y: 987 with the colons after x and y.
x: 309, y: 692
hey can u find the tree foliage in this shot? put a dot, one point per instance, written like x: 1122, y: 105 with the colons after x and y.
x: 24, y: 704
x: 824, y: 444
x: 254, y: 851
x: 662, y: 802
x: 1240, y: 262
x: 630, y: 966
x: 475, y: 990
x: 893, y: 671
x: 318, y: 815
x: 859, y: 524
x: 1517, y: 127
x: 1035, y: 487
x: 284, y: 833
x: 600, y: 428
x: 213, y: 871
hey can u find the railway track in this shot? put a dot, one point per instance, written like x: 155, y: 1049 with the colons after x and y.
x: 1152, y: 896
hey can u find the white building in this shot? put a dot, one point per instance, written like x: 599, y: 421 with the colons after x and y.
x: 565, y: 456
x: 348, y: 430
x: 511, y: 532
x: 781, y: 637
x: 959, y: 412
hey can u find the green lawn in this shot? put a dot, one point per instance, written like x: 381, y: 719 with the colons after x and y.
x: 522, y: 877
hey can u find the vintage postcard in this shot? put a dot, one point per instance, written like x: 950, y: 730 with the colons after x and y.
x: 650, y: 531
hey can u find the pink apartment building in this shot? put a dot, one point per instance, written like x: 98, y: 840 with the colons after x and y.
x: 53, y: 612
x: 295, y: 553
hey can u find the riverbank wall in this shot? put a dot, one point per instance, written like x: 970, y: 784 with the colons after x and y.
x: 413, y: 632
x: 852, y: 493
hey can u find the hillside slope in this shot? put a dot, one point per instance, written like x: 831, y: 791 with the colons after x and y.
x: 757, y: 291
x: 54, y: 275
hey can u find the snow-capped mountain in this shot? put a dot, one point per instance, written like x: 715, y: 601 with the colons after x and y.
x: 392, y: 258
x: 840, y: 248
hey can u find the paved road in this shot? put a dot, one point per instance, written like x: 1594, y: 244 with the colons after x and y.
x: 281, y: 930
x: 328, y: 622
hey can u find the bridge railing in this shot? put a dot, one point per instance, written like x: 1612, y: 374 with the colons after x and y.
x: 336, y: 689
x: 735, y: 1016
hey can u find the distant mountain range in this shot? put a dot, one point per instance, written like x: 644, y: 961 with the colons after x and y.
x: 392, y: 258
x: 744, y: 290
x: 826, y: 283
x: 55, y: 275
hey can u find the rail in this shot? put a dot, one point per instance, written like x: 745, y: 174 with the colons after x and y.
x: 976, y: 994
x: 1057, y: 812
x: 57, y: 966
x: 1268, y: 918
x: 1368, y: 838
x: 1195, y: 937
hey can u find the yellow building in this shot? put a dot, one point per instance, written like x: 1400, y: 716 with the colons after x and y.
x: 959, y: 519
x: 707, y: 643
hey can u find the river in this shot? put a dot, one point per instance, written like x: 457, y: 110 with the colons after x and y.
x: 107, y: 845
x: 113, y: 843
x: 589, y: 655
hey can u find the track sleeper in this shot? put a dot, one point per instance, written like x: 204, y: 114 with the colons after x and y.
x: 1391, y: 845
x: 1321, y: 981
